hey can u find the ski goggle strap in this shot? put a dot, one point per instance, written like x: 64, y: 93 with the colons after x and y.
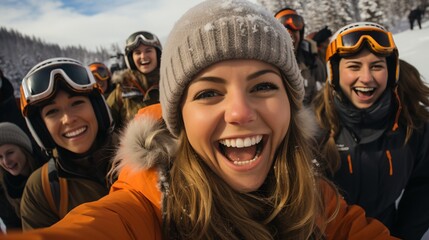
x: 350, y: 41
x: 145, y: 38
x: 38, y: 85
x: 290, y: 19
x: 99, y: 71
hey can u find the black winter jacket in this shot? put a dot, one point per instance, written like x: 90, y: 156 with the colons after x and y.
x: 388, y: 178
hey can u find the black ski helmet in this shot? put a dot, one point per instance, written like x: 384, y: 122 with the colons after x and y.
x: 137, y: 38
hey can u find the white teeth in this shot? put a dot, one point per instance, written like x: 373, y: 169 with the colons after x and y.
x: 246, y: 162
x: 241, y: 142
x: 75, y: 132
x: 364, y: 89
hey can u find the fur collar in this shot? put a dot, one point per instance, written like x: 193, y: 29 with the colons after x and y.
x: 145, y: 143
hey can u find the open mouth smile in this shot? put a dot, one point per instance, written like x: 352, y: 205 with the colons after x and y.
x: 364, y: 91
x: 144, y: 62
x: 241, y: 151
x: 75, y: 133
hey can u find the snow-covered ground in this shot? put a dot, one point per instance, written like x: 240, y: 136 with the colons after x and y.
x: 413, y: 46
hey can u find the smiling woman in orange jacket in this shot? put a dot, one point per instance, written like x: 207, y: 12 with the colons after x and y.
x: 231, y: 158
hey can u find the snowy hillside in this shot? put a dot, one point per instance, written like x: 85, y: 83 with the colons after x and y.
x: 414, y: 48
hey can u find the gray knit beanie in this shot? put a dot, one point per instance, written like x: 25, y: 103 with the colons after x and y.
x: 217, y: 30
x: 12, y: 134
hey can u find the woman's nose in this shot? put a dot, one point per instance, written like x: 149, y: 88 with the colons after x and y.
x: 68, y: 117
x: 239, y: 110
x: 366, y: 75
x: 142, y: 55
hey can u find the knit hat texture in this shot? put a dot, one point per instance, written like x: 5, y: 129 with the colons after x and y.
x: 12, y: 134
x: 217, y: 30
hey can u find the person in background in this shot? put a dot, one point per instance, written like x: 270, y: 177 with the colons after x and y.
x: 136, y: 86
x: 312, y: 69
x: 117, y: 62
x: 10, y: 112
x: 374, y: 123
x: 103, y: 77
x: 68, y: 116
x: 416, y: 15
x: 17, y: 162
x: 231, y: 158
x: 8, y: 104
x: 322, y: 39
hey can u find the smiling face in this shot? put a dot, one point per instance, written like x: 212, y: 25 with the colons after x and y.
x: 13, y: 160
x: 236, y: 113
x: 71, y: 121
x: 363, y: 78
x: 145, y: 59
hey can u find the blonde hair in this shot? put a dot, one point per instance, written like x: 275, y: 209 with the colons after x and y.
x: 200, y: 205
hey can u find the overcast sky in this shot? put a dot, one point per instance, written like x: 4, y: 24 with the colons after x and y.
x: 91, y: 23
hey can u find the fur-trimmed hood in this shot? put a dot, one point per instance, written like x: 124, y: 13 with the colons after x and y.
x: 120, y: 76
x: 145, y: 143
x: 124, y: 77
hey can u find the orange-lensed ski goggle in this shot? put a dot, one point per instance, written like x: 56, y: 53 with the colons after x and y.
x: 292, y: 21
x: 100, y: 71
x: 350, y: 41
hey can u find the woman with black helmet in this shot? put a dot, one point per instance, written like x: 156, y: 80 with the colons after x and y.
x: 67, y: 115
x: 375, y: 128
x: 136, y: 86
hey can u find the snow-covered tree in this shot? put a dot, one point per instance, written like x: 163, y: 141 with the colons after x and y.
x: 19, y: 53
x: 370, y: 11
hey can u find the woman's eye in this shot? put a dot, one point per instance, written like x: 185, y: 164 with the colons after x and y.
x: 377, y: 67
x: 51, y: 112
x: 206, y: 94
x: 353, y: 67
x: 78, y: 102
x: 266, y: 86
